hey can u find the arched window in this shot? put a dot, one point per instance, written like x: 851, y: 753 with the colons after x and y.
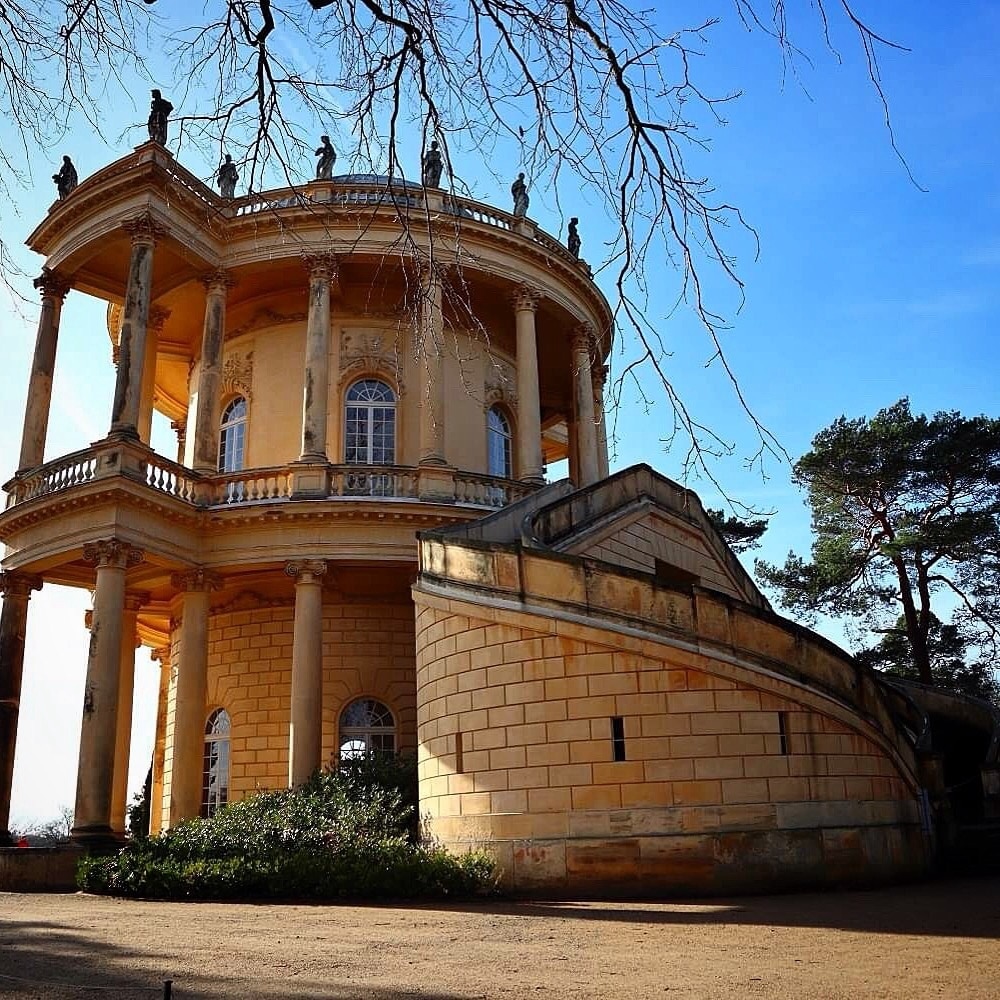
x: 366, y: 727
x: 233, y: 436
x: 215, y: 772
x: 498, y: 443
x: 370, y: 424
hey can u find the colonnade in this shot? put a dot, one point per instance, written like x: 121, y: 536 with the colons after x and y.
x: 142, y: 322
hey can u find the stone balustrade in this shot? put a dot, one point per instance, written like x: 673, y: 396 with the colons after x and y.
x: 138, y: 463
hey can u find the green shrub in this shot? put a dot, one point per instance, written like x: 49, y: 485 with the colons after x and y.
x: 345, y: 833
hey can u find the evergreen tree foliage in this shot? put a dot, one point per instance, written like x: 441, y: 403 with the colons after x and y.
x: 740, y: 534
x: 906, y: 522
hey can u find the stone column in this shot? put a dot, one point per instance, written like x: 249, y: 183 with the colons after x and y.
x: 529, y: 411
x: 600, y: 379
x: 586, y: 428
x: 316, y: 378
x: 160, y: 655
x: 192, y: 691
x: 431, y: 357
x: 132, y: 344
x: 126, y: 687
x: 98, y: 735
x: 17, y: 588
x: 305, y: 738
x: 179, y: 427
x: 157, y: 317
x: 36, y: 408
x: 206, y: 422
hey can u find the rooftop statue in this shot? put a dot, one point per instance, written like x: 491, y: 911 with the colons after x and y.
x: 227, y: 177
x: 159, y: 111
x: 573, y: 238
x: 519, y: 190
x: 431, y: 167
x: 327, y: 158
x: 66, y: 179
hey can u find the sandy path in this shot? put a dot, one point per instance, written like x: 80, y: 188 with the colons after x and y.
x: 936, y: 940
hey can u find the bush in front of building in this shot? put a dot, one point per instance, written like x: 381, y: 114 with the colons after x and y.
x: 349, y: 833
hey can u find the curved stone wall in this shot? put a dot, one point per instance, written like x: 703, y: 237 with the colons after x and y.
x: 743, y: 766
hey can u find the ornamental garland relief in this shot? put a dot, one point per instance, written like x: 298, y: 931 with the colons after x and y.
x: 237, y: 375
x: 371, y: 351
x: 500, y: 384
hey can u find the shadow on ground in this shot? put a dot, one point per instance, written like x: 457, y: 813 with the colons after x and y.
x: 55, y: 961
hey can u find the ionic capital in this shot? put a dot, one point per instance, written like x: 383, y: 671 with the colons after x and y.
x: 157, y: 317
x: 161, y: 655
x: 197, y: 579
x: 112, y: 552
x: 144, y: 229
x: 19, y: 584
x: 525, y: 298
x: 52, y: 284
x: 321, y: 266
x: 306, y: 570
x: 218, y: 282
x: 583, y: 339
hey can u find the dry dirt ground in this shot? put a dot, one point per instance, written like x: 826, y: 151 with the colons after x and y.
x: 940, y: 939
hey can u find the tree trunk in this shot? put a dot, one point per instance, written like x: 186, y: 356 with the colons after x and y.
x: 916, y: 636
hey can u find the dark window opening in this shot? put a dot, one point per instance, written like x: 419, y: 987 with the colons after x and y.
x: 617, y: 737
x: 667, y: 575
x: 459, y: 754
x: 783, y: 732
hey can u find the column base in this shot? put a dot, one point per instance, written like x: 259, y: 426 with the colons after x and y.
x: 436, y: 482
x: 123, y: 432
x: 310, y: 479
x: 95, y: 839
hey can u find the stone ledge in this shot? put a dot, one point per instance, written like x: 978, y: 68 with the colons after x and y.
x: 39, y: 869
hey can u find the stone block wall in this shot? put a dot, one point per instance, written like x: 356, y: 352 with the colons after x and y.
x: 724, y: 785
x: 368, y: 651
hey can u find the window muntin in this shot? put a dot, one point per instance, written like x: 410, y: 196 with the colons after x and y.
x: 366, y: 728
x: 232, y: 436
x: 370, y: 424
x: 498, y: 443
x: 215, y: 769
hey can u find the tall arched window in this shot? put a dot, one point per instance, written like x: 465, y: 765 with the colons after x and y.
x: 233, y: 436
x: 215, y: 772
x: 498, y: 443
x: 370, y: 424
x: 366, y: 727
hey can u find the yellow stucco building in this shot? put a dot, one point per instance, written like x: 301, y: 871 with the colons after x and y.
x: 354, y: 549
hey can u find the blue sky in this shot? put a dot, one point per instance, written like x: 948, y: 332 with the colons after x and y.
x: 866, y: 289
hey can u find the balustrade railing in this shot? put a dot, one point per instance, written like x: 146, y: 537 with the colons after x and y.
x: 249, y: 486
x: 169, y: 477
x: 140, y: 465
x: 70, y: 470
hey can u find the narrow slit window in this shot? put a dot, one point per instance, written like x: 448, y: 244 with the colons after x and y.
x: 783, y: 733
x: 459, y: 754
x: 617, y: 738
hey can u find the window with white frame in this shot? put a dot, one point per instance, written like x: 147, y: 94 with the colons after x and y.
x: 366, y: 728
x: 498, y: 443
x: 233, y: 436
x: 215, y: 771
x: 370, y: 424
